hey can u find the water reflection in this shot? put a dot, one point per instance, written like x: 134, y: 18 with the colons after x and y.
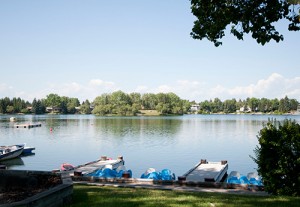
x: 13, y: 162
x: 177, y: 143
x: 121, y: 127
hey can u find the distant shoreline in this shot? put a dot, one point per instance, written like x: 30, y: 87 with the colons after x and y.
x: 158, y: 114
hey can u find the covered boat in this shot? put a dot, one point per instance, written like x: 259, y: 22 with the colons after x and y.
x: 109, y: 172
x: 10, y: 152
x: 235, y: 178
x: 165, y: 174
x: 252, y: 179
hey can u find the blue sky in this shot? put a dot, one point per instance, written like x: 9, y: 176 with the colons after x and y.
x: 86, y: 48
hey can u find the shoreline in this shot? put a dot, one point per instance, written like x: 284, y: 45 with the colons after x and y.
x: 294, y: 113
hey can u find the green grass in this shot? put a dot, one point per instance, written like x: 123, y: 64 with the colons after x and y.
x: 150, y: 113
x: 111, y: 196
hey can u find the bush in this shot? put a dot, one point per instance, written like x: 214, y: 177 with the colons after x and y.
x: 278, y: 157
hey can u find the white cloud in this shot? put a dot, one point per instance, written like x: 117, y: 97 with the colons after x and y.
x: 185, y: 89
x: 101, y: 83
x: 274, y: 86
x: 89, y: 90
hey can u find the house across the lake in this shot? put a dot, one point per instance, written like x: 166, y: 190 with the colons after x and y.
x: 53, y: 109
x: 195, y: 108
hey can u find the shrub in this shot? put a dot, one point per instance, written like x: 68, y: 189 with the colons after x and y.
x: 278, y: 157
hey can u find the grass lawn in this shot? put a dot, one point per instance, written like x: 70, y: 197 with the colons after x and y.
x: 111, y: 196
x: 150, y: 113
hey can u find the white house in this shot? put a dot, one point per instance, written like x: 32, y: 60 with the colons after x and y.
x: 195, y: 107
x: 245, y: 109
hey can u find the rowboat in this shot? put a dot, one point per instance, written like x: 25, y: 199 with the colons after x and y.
x: 10, y: 152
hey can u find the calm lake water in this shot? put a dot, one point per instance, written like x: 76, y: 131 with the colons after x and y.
x: 176, y: 142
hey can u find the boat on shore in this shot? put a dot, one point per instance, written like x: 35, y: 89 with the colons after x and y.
x: 207, y: 172
x: 251, y: 180
x: 90, y: 168
x: 10, y: 152
x: 254, y: 179
x: 165, y: 174
x: 66, y: 167
x: 109, y: 172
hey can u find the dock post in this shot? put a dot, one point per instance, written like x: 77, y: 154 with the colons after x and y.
x: 203, y: 161
x: 103, y: 158
x: 223, y: 162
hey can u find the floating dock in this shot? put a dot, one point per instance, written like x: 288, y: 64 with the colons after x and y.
x: 206, y: 172
x: 98, y: 165
x: 30, y: 125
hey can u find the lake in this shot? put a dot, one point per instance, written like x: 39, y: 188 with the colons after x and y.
x: 174, y: 142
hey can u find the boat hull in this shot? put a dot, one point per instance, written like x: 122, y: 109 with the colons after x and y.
x: 26, y: 150
x: 12, y: 154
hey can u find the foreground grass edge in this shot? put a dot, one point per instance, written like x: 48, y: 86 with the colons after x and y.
x: 84, y: 195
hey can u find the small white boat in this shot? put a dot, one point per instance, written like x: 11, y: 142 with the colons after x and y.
x: 10, y: 152
x: 12, y: 119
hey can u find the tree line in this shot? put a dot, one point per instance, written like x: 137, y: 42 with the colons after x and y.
x: 123, y: 104
x: 253, y: 105
x: 52, y: 102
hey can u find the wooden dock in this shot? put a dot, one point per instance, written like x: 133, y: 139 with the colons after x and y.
x: 98, y: 165
x: 29, y: 125
x: 206, y: 172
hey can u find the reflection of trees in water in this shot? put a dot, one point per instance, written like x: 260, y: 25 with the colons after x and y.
x: 138, y: 126
x: 65, y: 120
x: 54, y: 122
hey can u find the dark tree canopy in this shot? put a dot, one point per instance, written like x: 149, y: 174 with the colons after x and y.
x: 244, y: 16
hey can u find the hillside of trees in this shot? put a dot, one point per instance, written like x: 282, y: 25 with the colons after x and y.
x: 123, y: 104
